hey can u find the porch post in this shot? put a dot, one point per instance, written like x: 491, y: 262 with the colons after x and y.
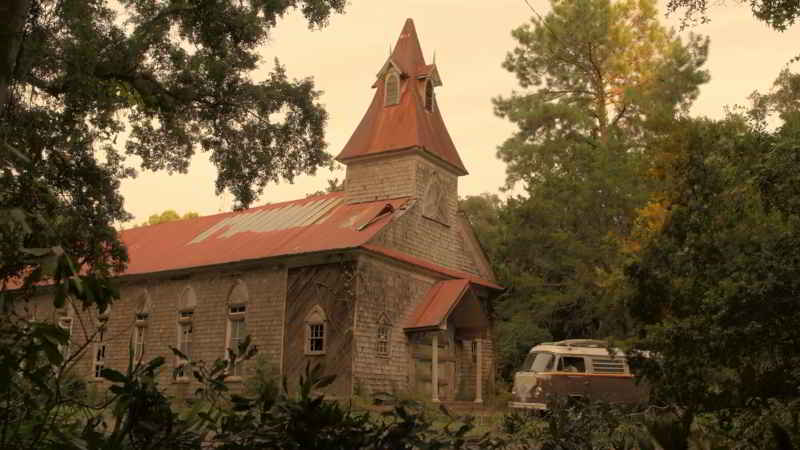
x: 435, y: 368
x: 478, y: 366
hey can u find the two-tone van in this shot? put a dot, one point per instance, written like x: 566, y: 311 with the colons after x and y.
x: 576, y: 368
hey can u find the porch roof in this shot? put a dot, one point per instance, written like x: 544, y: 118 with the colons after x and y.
x: 438, y: 303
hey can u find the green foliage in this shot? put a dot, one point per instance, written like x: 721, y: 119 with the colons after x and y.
x: 169, y: 216
x: 597, y: 95
x: 572, y: 424
x: 75, y: 76
x: 779, y: 14
x: 714, y: 289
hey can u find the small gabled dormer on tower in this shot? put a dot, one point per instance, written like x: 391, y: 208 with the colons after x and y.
x: 402, y: 147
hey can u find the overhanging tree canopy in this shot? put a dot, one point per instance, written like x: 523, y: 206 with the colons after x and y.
x: 75, y: 74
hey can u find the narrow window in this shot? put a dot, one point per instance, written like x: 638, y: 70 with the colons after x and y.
x: 429, y: 99
x: 237, y: 330
x: 185, y: 331
x: 316, y: 343
x: 140, y: 331
x: 474, y: 351
x: 383, y: 340
x: 66, y: 324
x: 100, y: 351
x: 138, y: 343
x: 186, y: 305
x: 316, y: 331
x: 392, y: 88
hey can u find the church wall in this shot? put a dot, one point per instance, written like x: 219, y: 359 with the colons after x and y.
x: 380, y: 178
x: 384, y: 290
x: 330, y: 288
x: 264, y: 322
x: 420, y: 233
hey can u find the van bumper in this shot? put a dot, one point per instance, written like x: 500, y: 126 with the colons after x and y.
x: 527, y: 405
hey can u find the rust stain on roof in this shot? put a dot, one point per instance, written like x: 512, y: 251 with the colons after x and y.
x: 407, y: 124
x: 438, y: 303
x: 302, y: 226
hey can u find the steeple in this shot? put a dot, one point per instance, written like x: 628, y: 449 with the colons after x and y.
x: 403, y: 115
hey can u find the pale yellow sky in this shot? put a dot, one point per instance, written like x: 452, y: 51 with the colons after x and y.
x: 470, y: 38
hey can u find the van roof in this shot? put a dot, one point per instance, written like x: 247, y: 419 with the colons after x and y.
x: 589, y: 347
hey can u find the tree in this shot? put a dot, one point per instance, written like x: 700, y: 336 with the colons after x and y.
x: 602, y: 80
x: 715, y: 287
x: 169, y: 216
x: 779, y: 14
x: 74, y: 75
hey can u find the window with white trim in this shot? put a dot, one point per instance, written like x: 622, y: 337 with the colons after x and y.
x: 383, y: 340
x: 185, y: 331
x: 188, y: 302
x: 237, y: 330
x: 138, y: 342
x: 392, y: 85
x: 316, y: 331
x: 140, y: 331
x: 383, y: 336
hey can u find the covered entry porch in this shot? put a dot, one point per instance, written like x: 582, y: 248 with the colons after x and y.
x: 448, y: 335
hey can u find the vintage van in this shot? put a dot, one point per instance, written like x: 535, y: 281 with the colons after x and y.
x: 576, y: 368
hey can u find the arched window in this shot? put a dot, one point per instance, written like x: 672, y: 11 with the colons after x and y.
x: 392, y: 88
x: 140, y: 330
x: 316, y: 331
x: 186, y: 306
x: 429, y: 98
x: 238, y: 298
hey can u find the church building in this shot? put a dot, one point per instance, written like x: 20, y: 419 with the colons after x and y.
x: 384, y: 283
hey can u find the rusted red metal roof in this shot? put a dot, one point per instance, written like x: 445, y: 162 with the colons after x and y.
x: 407, y: 124
x: 309, y: 225
x: 452, y: 273
x: 438, y: 303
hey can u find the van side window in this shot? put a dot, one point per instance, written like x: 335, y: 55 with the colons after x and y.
x: 605, y: 365
x: 571, y: 364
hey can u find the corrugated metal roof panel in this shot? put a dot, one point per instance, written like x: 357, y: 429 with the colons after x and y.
x: 308, y: 225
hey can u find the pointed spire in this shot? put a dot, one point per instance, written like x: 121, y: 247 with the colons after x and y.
x: 407, y: 52
x: 405, y: 124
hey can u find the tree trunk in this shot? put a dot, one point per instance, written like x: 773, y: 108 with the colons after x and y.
x: 14, y: 13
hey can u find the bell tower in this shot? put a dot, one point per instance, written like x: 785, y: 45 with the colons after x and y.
x: 401, y: 147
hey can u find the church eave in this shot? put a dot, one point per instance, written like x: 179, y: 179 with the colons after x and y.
x: 421, y: 150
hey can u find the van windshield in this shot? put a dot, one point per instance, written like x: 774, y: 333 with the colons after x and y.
x: 538, y: 362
